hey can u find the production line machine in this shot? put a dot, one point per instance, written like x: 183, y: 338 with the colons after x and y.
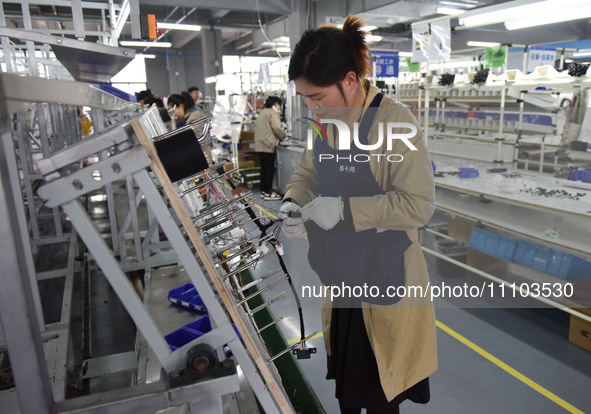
x: 212, y: 229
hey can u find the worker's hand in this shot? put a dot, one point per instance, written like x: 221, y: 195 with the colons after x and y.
x: 324, y: 211
x: 292, y: 226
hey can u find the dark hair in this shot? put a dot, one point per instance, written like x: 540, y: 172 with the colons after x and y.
x: 272, y: 100
x: 177, y: 99
x: 193, y: 88
x: 154, y: 100
x: 143, y: 95
x: 324, y: 55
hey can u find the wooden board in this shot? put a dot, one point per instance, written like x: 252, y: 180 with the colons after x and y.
x: 177, y: 205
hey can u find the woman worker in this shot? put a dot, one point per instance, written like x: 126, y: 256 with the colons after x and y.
x: 180, y: 106
x: 361, y: 218
x: 268, y: 132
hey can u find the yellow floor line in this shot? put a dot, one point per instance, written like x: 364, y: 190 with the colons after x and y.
x: 537, y: 387
x: 294, y: 340
x: 273, y: 216
x: 551, y: 396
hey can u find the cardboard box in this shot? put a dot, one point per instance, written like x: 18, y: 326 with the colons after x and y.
x: 462, y: 230
x: 242, y: 164
x: 246, y: 136
x: 580, y: 330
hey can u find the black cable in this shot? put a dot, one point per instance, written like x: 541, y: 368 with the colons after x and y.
x: 263, y: 228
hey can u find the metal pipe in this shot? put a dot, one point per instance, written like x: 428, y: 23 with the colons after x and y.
x: 259, y: 280
x: 247, y: 265
x: 269, y: 286
x: 279, y: 319
x: 268, y: 303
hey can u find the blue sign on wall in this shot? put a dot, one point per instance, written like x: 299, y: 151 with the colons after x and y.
x: 386, y: 63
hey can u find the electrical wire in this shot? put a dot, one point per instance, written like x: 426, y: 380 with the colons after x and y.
x: 263, y: 30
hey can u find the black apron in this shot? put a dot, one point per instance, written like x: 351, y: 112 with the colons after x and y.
x: 355, y: 258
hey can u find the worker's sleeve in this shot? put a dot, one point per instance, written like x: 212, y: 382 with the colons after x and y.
x: 409, y: 199
x: 303, y: 185
x: 276, y: 126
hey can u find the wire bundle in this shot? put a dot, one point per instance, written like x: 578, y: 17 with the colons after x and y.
x: 480, y: 77
x: 577, y: 69
x: 447, y: 79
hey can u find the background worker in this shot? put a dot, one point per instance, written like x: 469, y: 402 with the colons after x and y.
x: 361, y: 219
x: 268, y: 132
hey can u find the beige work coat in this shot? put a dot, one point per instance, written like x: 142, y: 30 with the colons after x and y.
x: 402, y: 336
x: 267, y: 131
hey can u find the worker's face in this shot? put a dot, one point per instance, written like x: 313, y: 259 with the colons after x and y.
x: 177, y: 110
x: 327, y: 101
x: 195, y: 95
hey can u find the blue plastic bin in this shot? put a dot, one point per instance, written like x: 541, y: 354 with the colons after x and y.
x: 492, y: 244
x: 191, y: 331
x: 186, y: 296
x: 581, y: 175
x: 187, y: 333
x: 467, y: 172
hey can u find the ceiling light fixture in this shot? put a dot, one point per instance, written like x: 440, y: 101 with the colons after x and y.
x: 551, y: 16
x: 482, y: 44
x: 533, y: 11
x: 210, y: 79
x: 144, y: 44
x: 373, y: 38
x: 178, y: 26
x: 283, y: 49
x: 146, y: 56
x: 449, y: 11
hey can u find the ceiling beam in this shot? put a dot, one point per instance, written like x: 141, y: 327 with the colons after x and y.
x: 265, y: 6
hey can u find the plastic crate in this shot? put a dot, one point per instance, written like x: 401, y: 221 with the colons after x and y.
x: 492, y: 244
x: 579, y: 270
x: 454, y: 249
x: 468, y: 172
x: 192, y: 331
x: 542, y: 258
x: 186, y: 296
x: 188, y: 333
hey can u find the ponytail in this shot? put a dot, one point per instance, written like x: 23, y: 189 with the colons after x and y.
x: 323, y: 56
x: 359, y: 49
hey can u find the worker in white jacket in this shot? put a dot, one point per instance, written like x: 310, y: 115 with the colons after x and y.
x: 268, y: 132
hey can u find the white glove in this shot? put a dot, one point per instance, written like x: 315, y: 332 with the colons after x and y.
x: 325, y: 211
x: 292, y: 226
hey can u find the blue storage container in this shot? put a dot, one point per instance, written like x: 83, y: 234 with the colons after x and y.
x: 467, y: 172
x: 188, y: 333
x: 191, y: 331
x: 186, y: 296
x: 579, y: 270
x: 581, y: 175
x: 492, y: 244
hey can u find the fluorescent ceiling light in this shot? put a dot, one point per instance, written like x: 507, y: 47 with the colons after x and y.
x: 550, y: 17
x: 450, y: 11
x: 373, y: 38
x: 482, y: 44
x: 145, y: 56
x: 366, y: 29
x: 530, y: 9
x: 144, y: 44
x: 210, y: 79
x: 283, y: 49
x: 179, y: 26
x: 405, y: 54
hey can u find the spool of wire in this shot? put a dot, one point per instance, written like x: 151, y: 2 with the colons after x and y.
x: 181, y: 155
